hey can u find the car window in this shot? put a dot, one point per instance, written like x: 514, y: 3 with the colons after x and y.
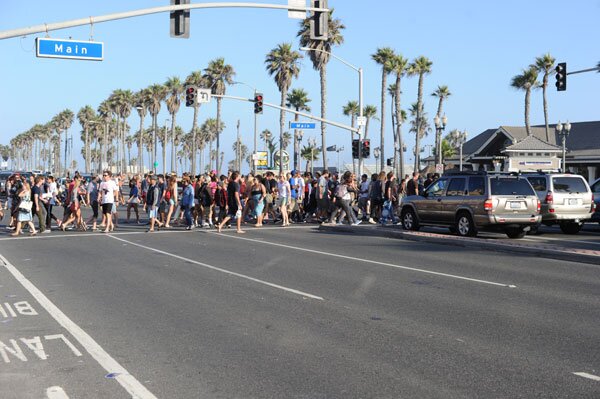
x: 596, y: 187
x: 510, y: 186
x: 569, y: 184
x: 456, y: 187
x: 437, y: 188
x: 538, y: 183
x: 476, y: 186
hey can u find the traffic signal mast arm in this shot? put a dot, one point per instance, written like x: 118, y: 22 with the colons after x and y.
x: 293, y: 111
x: 145, y: 11
x: 585, y: 70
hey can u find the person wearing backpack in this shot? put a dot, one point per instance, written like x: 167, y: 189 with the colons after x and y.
x: 343, y: 197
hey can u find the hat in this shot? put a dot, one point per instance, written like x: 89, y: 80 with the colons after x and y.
x: 294, y: 172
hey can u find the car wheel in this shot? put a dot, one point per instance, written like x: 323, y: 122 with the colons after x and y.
x: 465, y: 226
x: 571, y: 227
x: 515, y: 232
x: 409, y: 220
x: 535, y: 230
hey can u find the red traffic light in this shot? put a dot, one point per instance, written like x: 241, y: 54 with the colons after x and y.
x: 190, y: 90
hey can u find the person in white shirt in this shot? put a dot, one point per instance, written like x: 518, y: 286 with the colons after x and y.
x: 283, y: 198
x: 363, y: 197
x: 109, y: 191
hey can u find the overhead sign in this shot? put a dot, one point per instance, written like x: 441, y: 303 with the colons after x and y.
x: 70, y: 49
x: 296, y: 4
x: 204, y: 95
x: 302, y: 125
x: 262, y: 160
x: 361, y: 120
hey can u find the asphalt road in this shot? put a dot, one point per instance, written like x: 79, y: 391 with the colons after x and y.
x: 292, y: 313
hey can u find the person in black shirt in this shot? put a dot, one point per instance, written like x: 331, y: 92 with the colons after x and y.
x: 234, y: 203
x: 412, y: 187
x: 38, y: 204
x: 429, y: 180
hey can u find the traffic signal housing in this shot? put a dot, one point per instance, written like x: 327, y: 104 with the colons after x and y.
x: 319, y: 21
x: 366, y: 148
x: 258, y: 103
x: 390, y: 161
x: 191, y: 96
x: 561, y: 76
x: 355, y: 145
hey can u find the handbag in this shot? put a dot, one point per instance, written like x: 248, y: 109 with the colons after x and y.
x: 25, y: 206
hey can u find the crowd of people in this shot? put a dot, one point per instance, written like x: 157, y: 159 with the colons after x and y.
x: 205, y: 201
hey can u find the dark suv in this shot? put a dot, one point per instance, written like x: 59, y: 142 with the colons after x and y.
x: 471, y: 201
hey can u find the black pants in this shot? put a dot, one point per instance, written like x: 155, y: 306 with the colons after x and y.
x: 49, y: 216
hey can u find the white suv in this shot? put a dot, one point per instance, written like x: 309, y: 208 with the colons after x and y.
x: 567, y: 199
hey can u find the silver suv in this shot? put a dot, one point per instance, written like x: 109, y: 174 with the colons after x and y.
x: 471, y: 201
x: 567, y: 199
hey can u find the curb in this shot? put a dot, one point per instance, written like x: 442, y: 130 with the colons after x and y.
x: 543, y: 251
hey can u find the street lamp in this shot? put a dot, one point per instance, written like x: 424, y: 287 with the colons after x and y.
x: 299, y: 136
x: 460, y: 138
x: 360, y: 104
x: 440, y: 125
x: 563, y: 131
x: 255, y: 128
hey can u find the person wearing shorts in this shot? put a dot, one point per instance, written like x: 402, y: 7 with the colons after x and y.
x: 284, y: 194
x: 109, y: 192
x: 234, y: 203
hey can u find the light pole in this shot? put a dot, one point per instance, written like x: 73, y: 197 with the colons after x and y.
x: 460, y: 138
x: 360, y: 105
x: 563, y: 131
x: 165, y: 149
x: 255, y: 128
x: 299, y: 136
x: 312, y: 142
x: 440, y: 125
x: 338, y: 157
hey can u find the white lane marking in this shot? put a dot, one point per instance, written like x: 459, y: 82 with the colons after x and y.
x: 538, y: 239
x: 586, y: 375
x: 56, y: 393
x: 305, y: 294
x: 127, y: 381
x: 373, y: 262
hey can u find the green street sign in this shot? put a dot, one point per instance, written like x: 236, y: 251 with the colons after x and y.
x: 155, y: 165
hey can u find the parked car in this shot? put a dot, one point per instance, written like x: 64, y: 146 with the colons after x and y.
x: 467, y: 202
x: 595, y: 187
x: 567, y: 199
x: 4, y: 175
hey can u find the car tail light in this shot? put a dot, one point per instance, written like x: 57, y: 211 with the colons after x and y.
x: 549, y: 198
x: 488, y: 204
x: 539, y: 206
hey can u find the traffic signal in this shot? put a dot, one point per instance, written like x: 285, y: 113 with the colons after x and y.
x: 319, y: 21
x: 191, y: 96
x: 390, y: 161
x: 180, y: 20
x: 561, y: 76
x: 355, y: 145
x: 258, y: 103
x: 366, y: 148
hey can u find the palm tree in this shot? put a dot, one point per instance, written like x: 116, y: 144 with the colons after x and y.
x: 175, y: 89
x: 319, y: 56
x: 442, y: 93
x: 65, y: 119
x: 283, y: 64
x: 418, y: 124
x: 310, y: 154
x: 217, y: 76
x: 383, y: 56
x: 297, y: 99
x: 399, y: 65
x: 545, y: 64
x: 195, y: 78
x: 420, y: 66
x: 369, y: 112
x: 157, y: 94
x: 129, y: 142
x: 105, y: 114
x: 241, y: 151
x: 142, y: 102
x: 351, y: 109
x: 266, y: 136
x: 527, y: 81
x: 86, y: 116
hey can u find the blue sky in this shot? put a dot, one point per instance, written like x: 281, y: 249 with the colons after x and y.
x: 476, y: 47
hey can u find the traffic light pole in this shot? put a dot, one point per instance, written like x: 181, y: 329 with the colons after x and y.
x: 360, y: 115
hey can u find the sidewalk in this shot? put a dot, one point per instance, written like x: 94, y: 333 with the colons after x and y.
x: 514, y: 246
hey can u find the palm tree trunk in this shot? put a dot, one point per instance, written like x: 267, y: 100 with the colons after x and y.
x: 544, y: 86
x: 382, y: 129
x: 123, y: 160
x: 154, y: 134
x: 281, y: 127
x: 164, y: 151
x: 218, y: 136
x: 194, y: 148
x: 527, y: 95
x: 87, y: 149
x: 353, y: 123
x: 418, y: 133
x: 140, y: 145
x: 323, y: 76
x: 173, y: 164
x: 296, y: 144
x: 399, y: 154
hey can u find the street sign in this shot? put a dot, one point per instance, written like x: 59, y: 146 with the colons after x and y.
x: 296, y: 14
x: 204, y: 95
x: 70, y: 49
x: 262, y: 160
x: 286, y: 158
x: 155, y: 165
x: 361, y: 120
x: 439, y: 168
x: 302, y: 125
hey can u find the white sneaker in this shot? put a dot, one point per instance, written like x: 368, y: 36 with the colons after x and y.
x: 357, y: 223
x: 372, y: 221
